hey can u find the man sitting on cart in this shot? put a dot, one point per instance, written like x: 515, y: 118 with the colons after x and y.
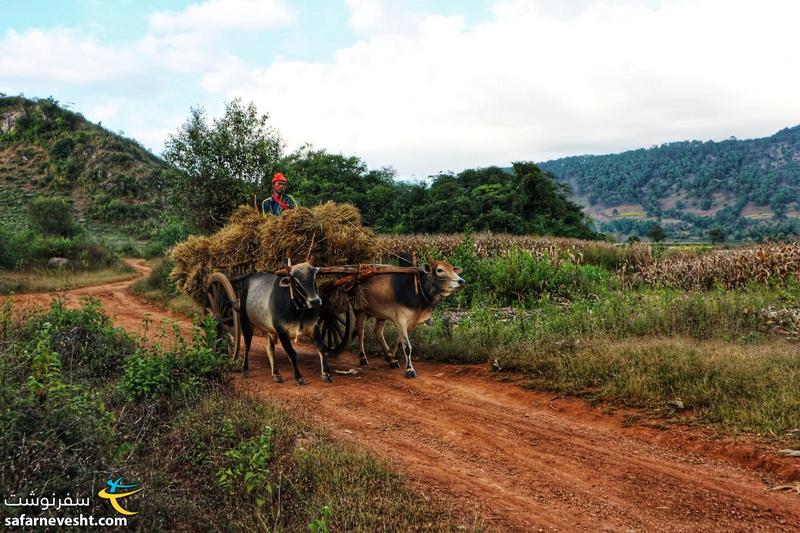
x: 279, y: 201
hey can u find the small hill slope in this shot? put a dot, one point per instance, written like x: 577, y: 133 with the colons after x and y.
x: 113, y: 183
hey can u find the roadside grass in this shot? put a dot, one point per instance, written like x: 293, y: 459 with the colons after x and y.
x: 83, y: 402
x: 159, y: 290
x: 710, y: 350
x: 46, y: 280
x: 752, y: 387
x: 236, y: 462
x: 733, y: 316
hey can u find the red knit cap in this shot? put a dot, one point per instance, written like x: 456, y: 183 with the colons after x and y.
x: 279, y: 177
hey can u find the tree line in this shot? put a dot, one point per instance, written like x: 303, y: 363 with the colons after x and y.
x: 225, y: 162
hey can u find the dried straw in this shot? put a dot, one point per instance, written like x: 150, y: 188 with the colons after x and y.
x: 329, y: 234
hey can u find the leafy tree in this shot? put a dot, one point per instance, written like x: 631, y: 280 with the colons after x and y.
x: 223, y: 164
x: 657, y: 233
x: 716, y: 235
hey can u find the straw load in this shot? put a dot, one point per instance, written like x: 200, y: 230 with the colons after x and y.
x: 328, y: 235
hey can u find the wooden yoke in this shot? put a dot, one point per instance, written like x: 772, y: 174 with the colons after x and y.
x: 361, y: 272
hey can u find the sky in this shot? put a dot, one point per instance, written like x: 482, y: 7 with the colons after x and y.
x: 421, y: 86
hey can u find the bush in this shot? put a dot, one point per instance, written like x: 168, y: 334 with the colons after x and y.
x: 89, y: 346
x: 62, y: 148
x: 52, y: 216
x: 159, y: 279
x: 519, y: 277
x: 11, y: 250
x: 53, y: 429
x: 32, y: 250
x: 182, y: 371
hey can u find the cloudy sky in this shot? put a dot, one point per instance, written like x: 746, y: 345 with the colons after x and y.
x: 420, y: 85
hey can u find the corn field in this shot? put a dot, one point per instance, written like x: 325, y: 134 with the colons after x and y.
x: 729, y: 269
x: 637, y: 264
x: 487, y: 245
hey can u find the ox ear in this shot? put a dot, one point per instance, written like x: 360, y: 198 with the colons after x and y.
x: 458, y: 270
x: 427, y: 268
x: 285, y: 282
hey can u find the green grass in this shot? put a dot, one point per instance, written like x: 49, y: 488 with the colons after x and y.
x: 158, y: 289
x: 46, y: 280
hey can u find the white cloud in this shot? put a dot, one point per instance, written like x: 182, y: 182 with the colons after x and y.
x: 373, y: 17
x: 539, y: 82
x: 104, y: 110
x: 229, y: 71
x: 222, y: 15
x: 61, y: 55
x: 365, y: 14
x: 426, y: 93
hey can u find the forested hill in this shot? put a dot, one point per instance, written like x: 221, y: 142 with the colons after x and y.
x: 112, y: 183
x: 750, y: 188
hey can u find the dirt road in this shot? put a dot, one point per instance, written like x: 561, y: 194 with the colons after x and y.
x: 521, y: 460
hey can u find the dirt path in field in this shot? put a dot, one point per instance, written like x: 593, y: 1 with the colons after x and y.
x: 519, y: 460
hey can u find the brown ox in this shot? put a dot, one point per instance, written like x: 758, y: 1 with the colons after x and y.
x: 399, y: 298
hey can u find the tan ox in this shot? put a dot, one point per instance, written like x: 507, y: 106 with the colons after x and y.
x: 398, y: 297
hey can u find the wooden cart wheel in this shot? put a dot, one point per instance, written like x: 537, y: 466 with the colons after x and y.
x: 336, y: 330
x: 222, y: 304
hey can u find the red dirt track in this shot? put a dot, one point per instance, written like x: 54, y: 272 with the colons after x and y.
x: 519, y: 460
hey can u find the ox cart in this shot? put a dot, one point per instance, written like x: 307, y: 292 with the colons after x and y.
x: 223, y: 302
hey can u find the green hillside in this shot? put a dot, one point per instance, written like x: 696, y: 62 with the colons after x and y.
x: 749, y: 188
x: 113, y: 184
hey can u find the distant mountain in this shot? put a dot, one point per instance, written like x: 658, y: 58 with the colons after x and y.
x: 113, y: 183
x: 749, y: 188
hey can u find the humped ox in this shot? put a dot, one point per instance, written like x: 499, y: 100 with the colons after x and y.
x: 283, y: 306
x: 398, y: 298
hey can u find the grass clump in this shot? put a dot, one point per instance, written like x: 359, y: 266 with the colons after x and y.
x: 158, y: 288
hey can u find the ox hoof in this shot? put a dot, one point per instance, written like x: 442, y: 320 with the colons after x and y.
x: 277, y: 379
x: 411, y: 373
x: 394, y: 364
x: 326, y: 378
x: 300, y: 381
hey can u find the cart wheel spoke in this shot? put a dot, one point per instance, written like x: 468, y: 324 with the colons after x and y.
x: 337, y: 333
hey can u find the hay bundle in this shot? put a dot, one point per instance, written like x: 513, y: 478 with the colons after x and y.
x: 329, y: 234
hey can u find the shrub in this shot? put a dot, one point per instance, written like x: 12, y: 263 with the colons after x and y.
x: 34, y: 249
x: 248, y: 465
x: 182, y: 371
x: 159, y: 279
x: 62, y: 148
x: 11, y: 250
x: 89, y: 346
x: 52, y: 428
x: 52, y: 216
